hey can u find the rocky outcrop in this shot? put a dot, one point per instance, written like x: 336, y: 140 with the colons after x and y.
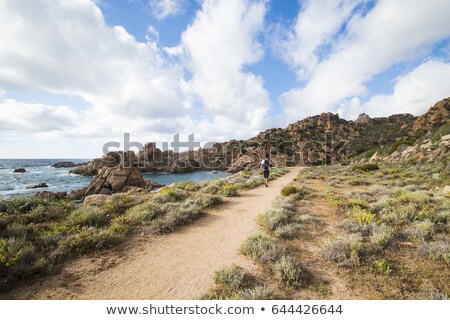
x: 19, y: 170
x: 113, y: 180
x: 119, y: 174
x: 37, y: 186
x: 437, y: 116
x: 68, y: 164
x: 363, y: 119
x: 426, y: 150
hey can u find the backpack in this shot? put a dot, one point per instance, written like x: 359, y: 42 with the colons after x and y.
x: 266, y: 164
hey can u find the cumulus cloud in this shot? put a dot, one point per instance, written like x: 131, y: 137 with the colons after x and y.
x: 65, y: 47
x: 165, y: 8
x: 19, y: 116
x: 315, y: 27
x: 414, y: 92
x: 221, y: 41
x: 392, y: 32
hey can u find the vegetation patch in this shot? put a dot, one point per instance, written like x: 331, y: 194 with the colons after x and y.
x: 344, y: 250
x: 287, y: 272
x: 366, y: 167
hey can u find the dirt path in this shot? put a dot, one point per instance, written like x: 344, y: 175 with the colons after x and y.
x: 175, y: 266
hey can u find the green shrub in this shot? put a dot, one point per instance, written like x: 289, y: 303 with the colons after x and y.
x: 187, y: 185
x: 367, y: 167
x: 359, y: 182
x: 345, y: 250
x: 144, y: 212
x: 287, y: 272
x: 352, y: 226
x: 16, y: 230
x: 363, y: 215
x: 230, y: 189
x: 261, y: 248
x: 9, y: 254
x: 170, y: 194
x: 177, y: 215
x: 439, y: 250
x: 299, y: 191
x: 421, y: 230
x: 20, y: 204
x: 382, y: 236
x: 206, y: 201
x: 88, y: 216
x: 382, y: 266
x: 287, y: 231
x: 230, y: 278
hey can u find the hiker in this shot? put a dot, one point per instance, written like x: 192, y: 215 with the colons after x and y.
x: 265, y: 166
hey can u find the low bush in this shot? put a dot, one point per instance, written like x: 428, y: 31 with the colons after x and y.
x: 287, y: 272
x: 439, y: 250
x: 90, y: 216
x: 170, y: 194
x: 382, y: 236
x: 420, y: 230
x: 261, y: 248
x: 229, y: 189
x: 345, y: 250
x: 382, y: 266
x: 144, y: 212
x: 300, y: 192
x: 366, y: 167
x: 230, y: 278
x: 363, y: 216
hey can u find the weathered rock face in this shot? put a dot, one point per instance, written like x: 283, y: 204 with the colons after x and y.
x: 437, y: 116
x: 363, y: 119
x: 113, y: 180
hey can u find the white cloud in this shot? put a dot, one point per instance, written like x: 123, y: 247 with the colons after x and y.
x: 65, y: 47
x: 392, y: 32
x: 219, y: 44
x: 315, y: 26
x: 18, y: 116
x: 164, y: 8
x: 414, y: 92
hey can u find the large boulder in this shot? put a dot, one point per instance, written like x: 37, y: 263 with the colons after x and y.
x: 19, y: 170
x: 116, y: 179
x: 97, y: 199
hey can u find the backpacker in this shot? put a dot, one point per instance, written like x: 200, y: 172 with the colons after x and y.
x: 266, y: 164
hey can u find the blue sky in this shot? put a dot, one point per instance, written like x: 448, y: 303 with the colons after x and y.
x: 77, y: 74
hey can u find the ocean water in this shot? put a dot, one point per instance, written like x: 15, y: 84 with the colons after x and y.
x: 59, y: 180
x: 196, y: 176
x: 39, y: 171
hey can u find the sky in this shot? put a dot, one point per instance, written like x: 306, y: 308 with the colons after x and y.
x: 76, y: 74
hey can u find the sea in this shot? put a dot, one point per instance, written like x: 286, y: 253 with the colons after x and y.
x: 60, y: 180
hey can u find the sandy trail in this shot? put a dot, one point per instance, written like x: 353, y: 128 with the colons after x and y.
x: 175, y: 266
